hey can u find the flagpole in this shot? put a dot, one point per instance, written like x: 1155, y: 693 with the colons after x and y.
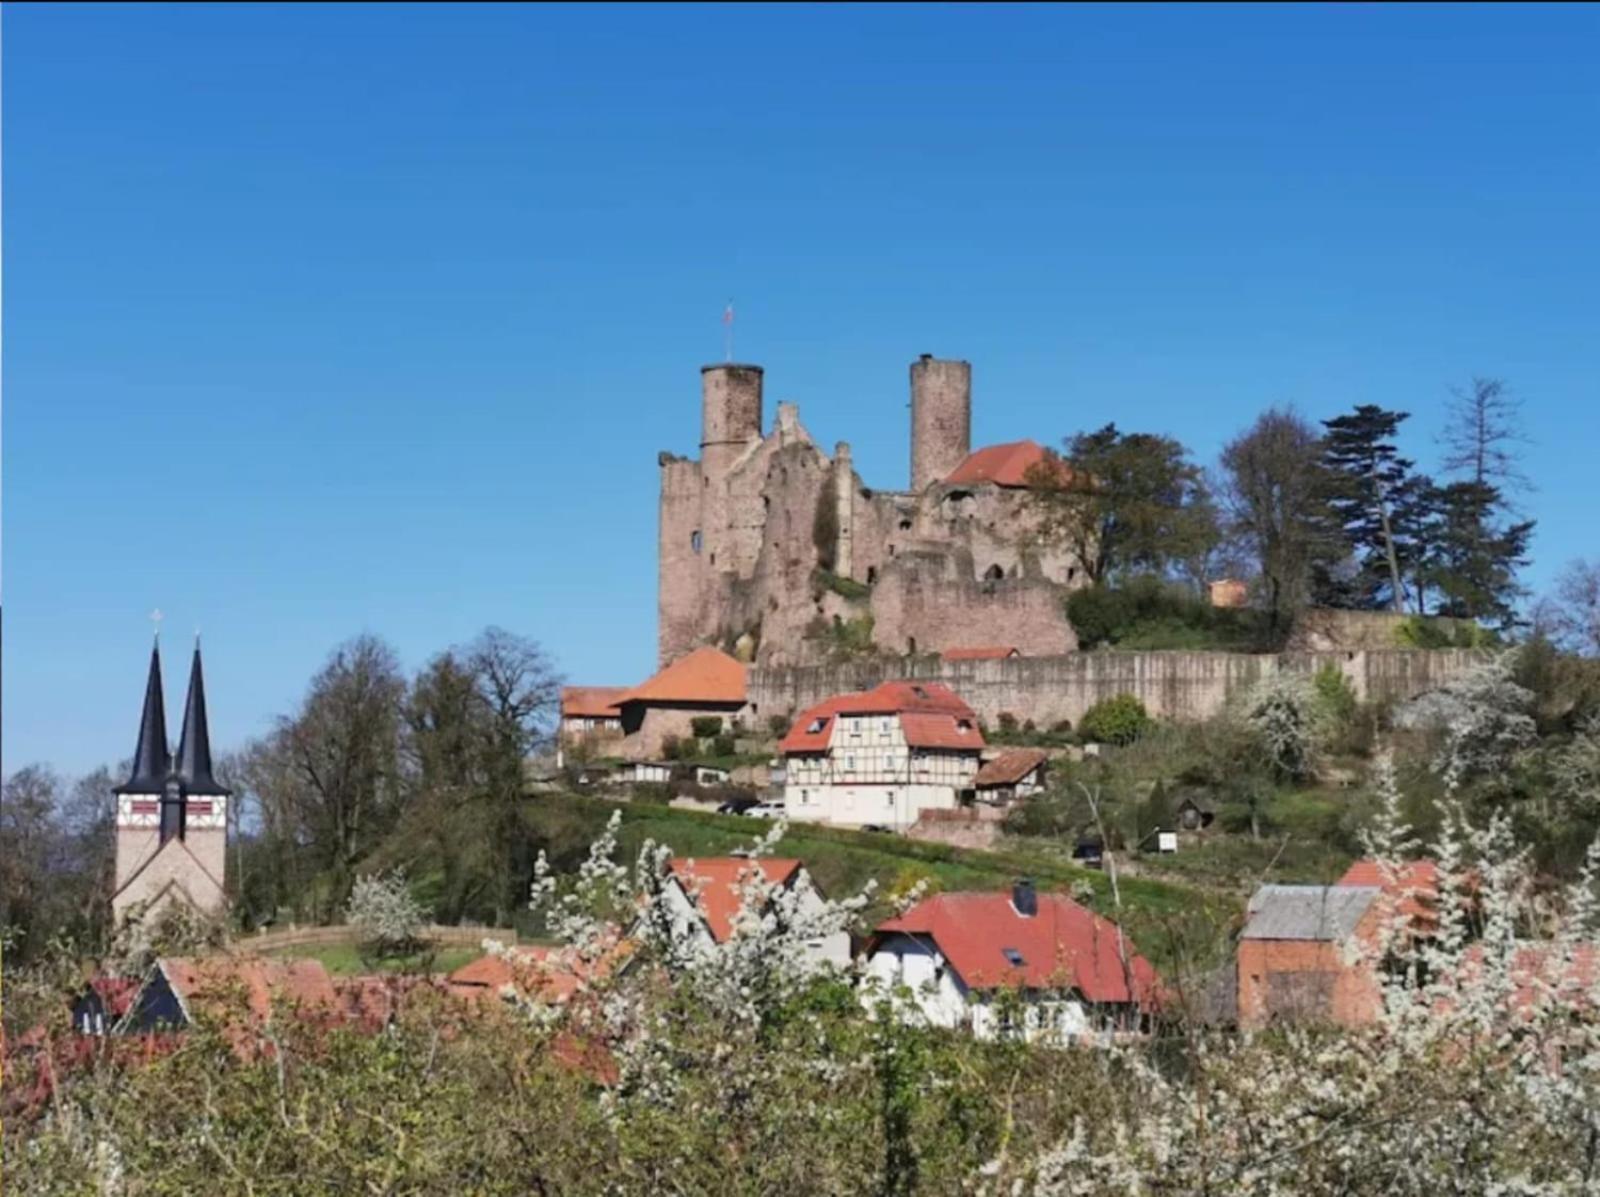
x: 727, y: 324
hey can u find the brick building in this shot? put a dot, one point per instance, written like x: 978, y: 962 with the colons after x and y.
x: 705, y: 682
x: 1294, y: 955
x: 766, y: 541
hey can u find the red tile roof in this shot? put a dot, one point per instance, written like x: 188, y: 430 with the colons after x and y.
x: 1003, y: 465
x: 1064, y: 946
x: 219, y: 981
x: 717, y: 884
x: 552, y: 974
x: 1417, y: 885
x: 593, y: 702
x: 1010, y: 767
x: 993, y: 652
x: 705, y: 675
x: 930, y: 715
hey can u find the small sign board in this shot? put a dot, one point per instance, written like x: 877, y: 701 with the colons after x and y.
x: 1166, y: 841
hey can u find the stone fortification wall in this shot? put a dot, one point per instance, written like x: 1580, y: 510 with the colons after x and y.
x: 1172, y: 685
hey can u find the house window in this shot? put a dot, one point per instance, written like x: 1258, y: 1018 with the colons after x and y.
x: 883, y: 725
x: 850, y: 763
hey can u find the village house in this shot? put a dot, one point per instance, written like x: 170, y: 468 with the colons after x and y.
x: 704, y: 897
x: 705, y: 682
x: 590, y: 720
x: 1039, y: 966
x: 881, y: 757
x: 1015, y: 773
x: 1300, y: 953
x: 1294, y: 955
x: 180, y: 989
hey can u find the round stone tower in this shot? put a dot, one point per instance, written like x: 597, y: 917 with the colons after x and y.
x: 730, y: 413
x: 941, y: 418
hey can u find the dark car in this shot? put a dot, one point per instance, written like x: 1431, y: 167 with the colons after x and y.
x: 879, y: 827
x: 736, y: 806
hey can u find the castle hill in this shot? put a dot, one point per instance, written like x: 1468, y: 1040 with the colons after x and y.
x: 488, y: 713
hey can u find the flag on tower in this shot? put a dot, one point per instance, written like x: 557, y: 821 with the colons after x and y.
x: 727, y: 313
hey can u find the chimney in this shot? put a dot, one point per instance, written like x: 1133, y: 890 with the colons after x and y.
x: 1024, y: 899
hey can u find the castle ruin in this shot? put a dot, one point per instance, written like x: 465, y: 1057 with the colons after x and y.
x: 780, y: 554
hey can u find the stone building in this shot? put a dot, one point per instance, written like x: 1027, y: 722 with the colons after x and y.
x: 771, y: 549
x: 705, y: 683
x: 172, y: 814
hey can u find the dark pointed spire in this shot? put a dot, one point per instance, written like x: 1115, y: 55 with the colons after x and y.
x: 194, y: 747
x: 151, y: 760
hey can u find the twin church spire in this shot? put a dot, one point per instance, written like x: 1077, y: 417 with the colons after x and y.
x: 155, y: 766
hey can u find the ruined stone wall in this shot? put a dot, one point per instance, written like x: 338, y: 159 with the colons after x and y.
x: 1047, y: 690
x: 931, y: 602
x: 681, y: 575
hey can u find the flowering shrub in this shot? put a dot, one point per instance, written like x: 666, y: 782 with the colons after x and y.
x: 386, y: 918
x: 1483, y: 718
x: 745, y: 1066
x: 1288, y: 721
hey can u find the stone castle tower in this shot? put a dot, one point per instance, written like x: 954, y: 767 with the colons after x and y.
x: 172, y: 814
x: 766, y: 543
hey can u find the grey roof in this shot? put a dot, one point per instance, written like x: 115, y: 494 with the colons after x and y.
x: 1320, y: 912
x: 194, y: 746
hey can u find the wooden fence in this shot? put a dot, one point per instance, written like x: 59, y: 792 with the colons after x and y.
x: 299, y: 937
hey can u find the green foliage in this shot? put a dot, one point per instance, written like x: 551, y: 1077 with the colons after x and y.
x: 1147, y: 614
x: 843, y: 638
x: 723, y: 745
x: 844, y: 587
x: 1434, y: 632
x: 825, y: 522
x: 706, y: 726
x: 676, y: 748
x: 1120, y: 719
x: 1334, y: 694
x: 1147, y: 507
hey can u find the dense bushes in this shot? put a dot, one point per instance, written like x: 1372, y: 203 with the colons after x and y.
x: 1121, y: 719
x: 1149, y: 614
x: 706, y: 726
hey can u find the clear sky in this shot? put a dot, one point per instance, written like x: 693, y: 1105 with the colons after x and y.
x: 321, y: 320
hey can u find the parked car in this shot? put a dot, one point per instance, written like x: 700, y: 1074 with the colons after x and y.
x: 879, y: 827
x: 737, y: 806
x: 767, y: 810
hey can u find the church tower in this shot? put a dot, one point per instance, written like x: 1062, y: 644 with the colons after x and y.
x: 172, y: 815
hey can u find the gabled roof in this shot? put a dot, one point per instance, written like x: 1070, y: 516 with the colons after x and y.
x: 1064, y: 946
x: 552, y: 974
x: 716, y: 883
x: 991, y: 652
x: 1010, y: 767
x: 220, y: 981
x: 152, y: 760
x: 596, y: 702
x: 930, y: 715
x: 1002, y: 465
x: 1326, y: 913
x: 1416, y: 886
x: 705, y: 675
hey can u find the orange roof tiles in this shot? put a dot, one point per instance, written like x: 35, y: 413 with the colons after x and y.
x: 930, y: 715
x: 302, y: 983
x: 1003, y: 465
x: 552, y: 974
x: 717, y: 885
x: 1010, y: 767
x: 993, y: 652
x: 705, y: 675
x: 1417, y: 883
x: 1063, y: 946
x: 595, y: 702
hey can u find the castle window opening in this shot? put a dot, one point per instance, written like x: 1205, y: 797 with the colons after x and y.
x: 872, y: 574
x: 695, y: 541
x: 905, y: 525
x: 994, y: 573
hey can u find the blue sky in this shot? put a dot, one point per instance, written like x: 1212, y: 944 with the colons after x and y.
x: 321, y: 320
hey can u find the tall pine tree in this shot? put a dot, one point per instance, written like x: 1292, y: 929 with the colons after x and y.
x: 1371, y: 483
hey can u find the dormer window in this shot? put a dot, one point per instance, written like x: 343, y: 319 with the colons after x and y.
x: 1013, y: 957
x: 816, y: 725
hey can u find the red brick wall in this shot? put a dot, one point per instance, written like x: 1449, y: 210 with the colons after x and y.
x: 1299, y: 980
